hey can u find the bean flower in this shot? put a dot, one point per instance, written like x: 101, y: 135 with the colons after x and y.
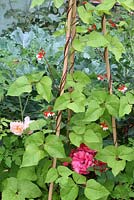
x: 122, y: 88
x: 112, y: 23
x: 40, y: 55
x: 92, y: 28
x: 101, y: 77
x: 104, y: 126
x: 48, y: 114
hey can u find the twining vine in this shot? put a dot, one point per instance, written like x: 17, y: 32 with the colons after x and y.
x: 109, y: 78
x: 69, y: 34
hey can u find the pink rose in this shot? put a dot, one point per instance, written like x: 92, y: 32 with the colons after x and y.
x: 17, y: 127
x: 27, y: 122
x: 82, y: 159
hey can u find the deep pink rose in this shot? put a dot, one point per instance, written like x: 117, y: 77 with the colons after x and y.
x: 82, y: 159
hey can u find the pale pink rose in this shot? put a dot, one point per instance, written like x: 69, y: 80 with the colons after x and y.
x: 82, y: 159
x: 27, y: 122
x: 17, y: 127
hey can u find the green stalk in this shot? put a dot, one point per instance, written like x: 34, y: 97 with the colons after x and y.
x: 21, y: 108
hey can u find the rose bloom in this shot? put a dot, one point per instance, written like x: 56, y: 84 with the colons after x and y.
x: 27, y: 122
x: 17, y: 127
x: 82, y: 159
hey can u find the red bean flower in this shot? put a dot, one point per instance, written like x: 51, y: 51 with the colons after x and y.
x: 104, y: 126
x: 48, y: 114
x: 113, y: 24
x: 122, y: 88
x: 101, y: 77
x: 40, y: 55
x: 92, y: 28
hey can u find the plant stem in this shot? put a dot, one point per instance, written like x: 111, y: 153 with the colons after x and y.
x: 108, y: 70
x: 50, y: 194
x: 73, y: 33
x: 131, y: 43
x: 49, y: 69
x: 72, y: 56
x: 21, y: 109
x: 62, y: 84
x: 25, y: 104
x: 10, y: 4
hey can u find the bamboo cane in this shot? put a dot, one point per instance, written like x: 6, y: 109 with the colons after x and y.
x: 62, y: 84
x: 108, y: 70
x: 73, y: 33
x: 72, y: 56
